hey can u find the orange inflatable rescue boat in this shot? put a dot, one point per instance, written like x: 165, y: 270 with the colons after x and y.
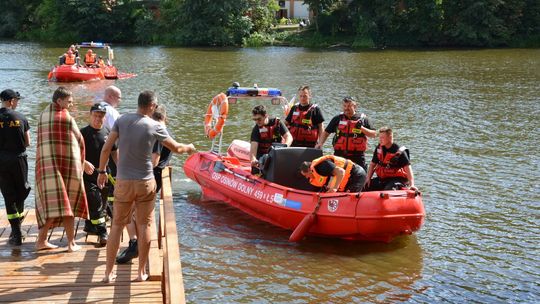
x: 284, y: 198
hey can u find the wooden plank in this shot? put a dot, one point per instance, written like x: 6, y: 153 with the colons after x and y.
x: 5, y: 228
x: 174, y: 286
x: 155, y: 262
x: 61, y: 277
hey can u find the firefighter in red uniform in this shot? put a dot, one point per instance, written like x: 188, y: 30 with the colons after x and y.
x: 352, y: 131
x: 334, y: 173
x: 391, y: 164
x: 305, y: 120
x: 265, y: 132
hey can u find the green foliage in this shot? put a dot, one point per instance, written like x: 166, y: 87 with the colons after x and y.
x: 258, y: 39
x: 320, y: 6
x: 481, y: 23
x: 205, y: 22
x: 358, y: 23
x: 262, y: 14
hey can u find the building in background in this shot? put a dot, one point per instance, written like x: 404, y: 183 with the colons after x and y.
x: 293, y: 9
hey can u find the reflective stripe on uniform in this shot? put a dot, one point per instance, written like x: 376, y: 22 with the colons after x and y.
x: 110, y: 199
x: 14, y: 216
x: 100, y: 220
x: 111, y: 179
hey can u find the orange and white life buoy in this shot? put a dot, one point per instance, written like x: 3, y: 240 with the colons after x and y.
x: 217, y: 110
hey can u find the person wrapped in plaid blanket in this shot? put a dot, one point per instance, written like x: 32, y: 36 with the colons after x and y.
x: 60, y: 194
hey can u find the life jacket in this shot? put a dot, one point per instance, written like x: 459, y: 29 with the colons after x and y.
x: 101, y: 63
x: 319, y: 181
x: 268, y: 135
x: 301, y: 126
x: 69, y: 59
x: 387, y: 167
x: 349, y: 138
x: 90, y: 59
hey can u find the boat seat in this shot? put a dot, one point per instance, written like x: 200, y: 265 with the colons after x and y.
x: 281, y: 166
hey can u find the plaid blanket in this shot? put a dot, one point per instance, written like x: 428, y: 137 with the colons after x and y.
x: 59, y: 167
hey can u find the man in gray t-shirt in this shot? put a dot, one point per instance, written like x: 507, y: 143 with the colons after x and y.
x: 135, y: 184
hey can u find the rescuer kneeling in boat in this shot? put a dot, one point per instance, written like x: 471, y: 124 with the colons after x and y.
x: 265, y: 132
x: 391, y: 163
x: 336, y: 174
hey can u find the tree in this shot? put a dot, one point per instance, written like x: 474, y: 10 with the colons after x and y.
x: 320, y: 6
x: 206, y: 22
x: 481, y: 22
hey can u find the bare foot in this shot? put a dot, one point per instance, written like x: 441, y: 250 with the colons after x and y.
x: 141, y: 278
x: 109, y: 278
x: 73, y: 247
x: 45, y: 246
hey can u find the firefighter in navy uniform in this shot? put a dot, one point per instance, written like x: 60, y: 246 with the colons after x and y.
x: 334, y: 173
x: 14, y: 138
x: 352, y: 132
x: 95, y: 135
x: 305, y: 120
x: 265, y: 132
x: 391, y: 164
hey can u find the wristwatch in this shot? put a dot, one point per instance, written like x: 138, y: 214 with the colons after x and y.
x: 101, y: 171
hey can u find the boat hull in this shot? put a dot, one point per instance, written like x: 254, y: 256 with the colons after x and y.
x: 72, y: 73
x: 369, y: 216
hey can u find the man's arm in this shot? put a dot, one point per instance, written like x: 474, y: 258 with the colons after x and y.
x: 322, y: 138
x: 410, y: 176
x: 155, y: 159
x: 321, y: 134
x: 368, y: 132
x: 177, y: 147
x: 253, y: 153
x: 114, y: 156
x: 371, y: 169
x: 104, y: 158
x: 287, y: 139
x: 27, y: 138
x: 335, y: 180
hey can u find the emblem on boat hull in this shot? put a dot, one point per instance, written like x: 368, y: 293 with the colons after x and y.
x: 333, y: 205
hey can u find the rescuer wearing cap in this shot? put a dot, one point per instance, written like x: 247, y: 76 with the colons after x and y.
x: 14, y: 138
x: 95, y: 135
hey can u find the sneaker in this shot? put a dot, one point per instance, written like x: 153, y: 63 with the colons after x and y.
x: 129, y: 253
x: 15, y: 239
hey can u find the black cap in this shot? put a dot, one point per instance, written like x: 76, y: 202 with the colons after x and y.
x: 349, y: 99
x: 9, y: 94
x: 97, y: 107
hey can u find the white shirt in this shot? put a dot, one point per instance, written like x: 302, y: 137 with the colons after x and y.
x: 111, y: 116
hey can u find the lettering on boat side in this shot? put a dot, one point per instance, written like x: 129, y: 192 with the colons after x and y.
x: 263, y: 196
x: 333, y: 205
x: 232, y: 183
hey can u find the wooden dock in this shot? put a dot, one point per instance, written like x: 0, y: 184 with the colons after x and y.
x: 58, y: 276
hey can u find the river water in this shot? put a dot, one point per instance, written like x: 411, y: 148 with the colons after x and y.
x: 469, y: 118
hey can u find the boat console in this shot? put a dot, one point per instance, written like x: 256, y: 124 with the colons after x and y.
x: 281, y: 165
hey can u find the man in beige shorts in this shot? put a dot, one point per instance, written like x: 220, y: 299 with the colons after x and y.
x: 135, y: 189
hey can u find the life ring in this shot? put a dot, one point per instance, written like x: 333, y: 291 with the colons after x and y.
x: 218, y: 110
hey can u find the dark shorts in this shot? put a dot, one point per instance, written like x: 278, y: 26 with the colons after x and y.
x: 357, y: 180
